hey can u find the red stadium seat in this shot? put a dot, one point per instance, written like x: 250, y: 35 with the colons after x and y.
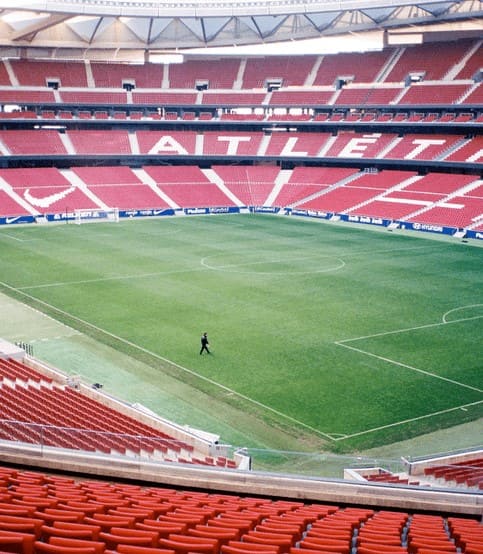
x: 21, y: 524
x: 12, y: 541
x: 66, y: 542
x: 47, y: 548
x: 48, y: 531
x: 133, y: 549
x: 66, y: 526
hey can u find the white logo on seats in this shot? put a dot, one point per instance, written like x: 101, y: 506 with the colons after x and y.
x: 47, y: 201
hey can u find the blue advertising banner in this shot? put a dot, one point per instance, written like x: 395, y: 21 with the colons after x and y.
x: 368, y: 220
x: 146, y: 213
x: 474, y: 235
x: 427, y: 228
x: 311, y: 213
x: 17, y: 219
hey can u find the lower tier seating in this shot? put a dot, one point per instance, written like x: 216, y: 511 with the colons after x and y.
x: 50, y: 513
x: 445, y: 199
x: 37, y: 410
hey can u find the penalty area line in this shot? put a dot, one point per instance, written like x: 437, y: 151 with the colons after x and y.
x: 409, y: 329
x: 412, y: 368
x: 174, y: 364
x: 410, y: 420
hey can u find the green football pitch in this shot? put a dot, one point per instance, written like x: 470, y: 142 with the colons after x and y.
x: 340, y: 336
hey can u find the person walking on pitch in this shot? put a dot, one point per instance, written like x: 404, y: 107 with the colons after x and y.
x: 204, y: 344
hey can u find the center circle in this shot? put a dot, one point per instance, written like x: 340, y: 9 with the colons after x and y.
x: 265, y: 263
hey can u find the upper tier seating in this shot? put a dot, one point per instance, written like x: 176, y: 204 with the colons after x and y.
x: 355, y: 66
x: 93, y: 97
x: 472, y: 65
x: 230, y: 143
x: 349, y: 144
x: 22, y: 96
x: 100, y: 142
x: 422, y: 147
x: 367, y: 96
x: 167, y: 142
x: 4, y: 76
x: 215, y: 73
x: 296, y: 144
x: 444, y: 94
x: 35, y: 73
x: 113, y: 75
x: 300, y: 97
x: 433, y: 60
x: 292, y: 70
x: 475, y: 96
x: 38, y: 141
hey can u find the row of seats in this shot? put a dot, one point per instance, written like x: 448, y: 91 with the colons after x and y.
x: 469, y: 472
x: 433, y: 61
x: 36, y: 410
x: 173, y: 143
x: 56, y: 514
x: 437, y: 94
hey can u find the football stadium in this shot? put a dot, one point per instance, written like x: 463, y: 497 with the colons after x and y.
x: 241, y: 277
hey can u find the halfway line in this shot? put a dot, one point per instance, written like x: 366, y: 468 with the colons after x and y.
x: 103, y: 279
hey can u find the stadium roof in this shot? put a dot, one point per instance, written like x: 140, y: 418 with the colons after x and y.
x: 125, y: 29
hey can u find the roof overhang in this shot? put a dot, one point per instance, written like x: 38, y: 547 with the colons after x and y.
x: 88, y: 27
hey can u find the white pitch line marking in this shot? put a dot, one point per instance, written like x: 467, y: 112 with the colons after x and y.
x: 412, y: 368
x: 3, y: 234
x: 406, y: 366
x: 458, y: 310
x: 404, y: 421
x: 340, y: 265
x: 182, y: 368
x: 407, y: 329
x: 106, y: 279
